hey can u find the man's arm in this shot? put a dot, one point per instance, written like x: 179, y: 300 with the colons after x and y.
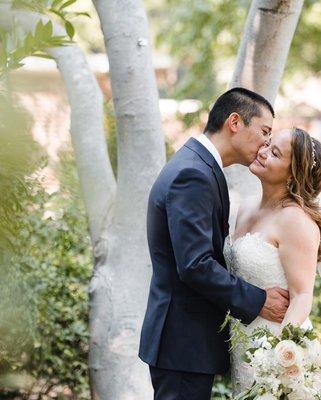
x: 189, y: 206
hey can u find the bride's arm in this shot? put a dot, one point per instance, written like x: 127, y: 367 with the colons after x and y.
x: 299, y: 239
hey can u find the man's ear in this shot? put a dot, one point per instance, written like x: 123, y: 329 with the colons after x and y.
x: 233, y: 122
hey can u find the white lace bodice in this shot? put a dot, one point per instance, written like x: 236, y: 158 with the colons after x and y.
x: 256, y: 261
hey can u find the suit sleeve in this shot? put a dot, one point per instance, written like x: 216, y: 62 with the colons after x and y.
x: 189, y: 207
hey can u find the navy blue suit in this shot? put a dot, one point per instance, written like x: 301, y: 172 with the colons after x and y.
x: 191, y: 289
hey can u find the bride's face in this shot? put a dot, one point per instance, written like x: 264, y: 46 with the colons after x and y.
x: 272, y: 164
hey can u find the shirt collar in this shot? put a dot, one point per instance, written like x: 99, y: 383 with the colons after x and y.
x: 205, y: 141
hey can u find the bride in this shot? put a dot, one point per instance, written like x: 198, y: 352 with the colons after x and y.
x: 277, y: 237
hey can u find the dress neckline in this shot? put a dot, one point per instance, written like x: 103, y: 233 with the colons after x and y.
x: 257, y: 235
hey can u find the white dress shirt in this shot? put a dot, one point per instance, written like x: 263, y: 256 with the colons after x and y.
x: 205, y: 141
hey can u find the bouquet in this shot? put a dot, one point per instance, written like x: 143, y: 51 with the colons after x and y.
x: 285, y: 367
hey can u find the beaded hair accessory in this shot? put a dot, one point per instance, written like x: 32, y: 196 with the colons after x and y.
x: 314, y: 163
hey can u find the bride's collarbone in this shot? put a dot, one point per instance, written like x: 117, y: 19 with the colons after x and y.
x: 259, y: 222
x: 266, y: 231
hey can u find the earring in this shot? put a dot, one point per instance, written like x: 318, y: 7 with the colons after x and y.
x: 288, y: 183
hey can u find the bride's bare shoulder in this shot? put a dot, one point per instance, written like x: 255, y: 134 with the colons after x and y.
x: 293, y: 219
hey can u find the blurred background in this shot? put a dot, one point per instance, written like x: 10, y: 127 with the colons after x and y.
x: 46, y: 257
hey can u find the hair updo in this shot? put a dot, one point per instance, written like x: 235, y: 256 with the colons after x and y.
x: 305, y: 181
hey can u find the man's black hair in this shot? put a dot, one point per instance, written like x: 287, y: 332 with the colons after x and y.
x: 240, y: 100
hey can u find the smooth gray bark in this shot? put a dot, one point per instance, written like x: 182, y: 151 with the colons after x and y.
x: 120, y: 286
x: 265, y: 45
x: 261, y: 60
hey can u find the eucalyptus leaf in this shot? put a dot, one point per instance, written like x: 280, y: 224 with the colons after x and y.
x: 67, y: 4
x: 70, y: 29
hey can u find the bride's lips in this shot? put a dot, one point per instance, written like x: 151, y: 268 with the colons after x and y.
x: 258, y: 162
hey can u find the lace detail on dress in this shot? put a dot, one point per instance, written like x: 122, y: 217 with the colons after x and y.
x: 256, y: 261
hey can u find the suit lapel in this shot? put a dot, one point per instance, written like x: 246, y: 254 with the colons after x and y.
x: 208, y: 158
x: 221, y: 181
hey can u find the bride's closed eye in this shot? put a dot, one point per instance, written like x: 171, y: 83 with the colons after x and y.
x: 276, y: 152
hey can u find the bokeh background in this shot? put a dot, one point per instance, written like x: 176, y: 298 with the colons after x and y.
x: 46, y: 256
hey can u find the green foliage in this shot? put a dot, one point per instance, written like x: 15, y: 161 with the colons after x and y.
x: 59, y: 8
x: 237, y: 335
x: 19, y: 157
x: 52, y: 264
x: 198, y: 35
x: 222, y: 388
x: 16, y: 44
x: 203, y: 38
x: 57, y: 268
x: 316, y: 310
x: 45, y: 258
x: 305, y: 57
x: 45, y: 265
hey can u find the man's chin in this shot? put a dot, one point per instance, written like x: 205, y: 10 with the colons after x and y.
x: 252, y: 168
x: 249, y: 162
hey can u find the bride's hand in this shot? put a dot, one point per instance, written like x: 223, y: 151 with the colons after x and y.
x: 276, y: 304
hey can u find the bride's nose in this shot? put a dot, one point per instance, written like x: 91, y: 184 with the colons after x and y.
x: 262, y: 152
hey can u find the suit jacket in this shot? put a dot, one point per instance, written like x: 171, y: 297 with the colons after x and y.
x: 191, y: 289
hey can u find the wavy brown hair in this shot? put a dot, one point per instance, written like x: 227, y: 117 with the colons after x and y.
x: 304, y: 185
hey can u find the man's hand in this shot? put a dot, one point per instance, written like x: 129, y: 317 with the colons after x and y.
x: 276, y: 304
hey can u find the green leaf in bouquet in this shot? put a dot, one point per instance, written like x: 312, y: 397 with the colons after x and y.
x: 245, y: 358
x: 260, y: 332
x: 43, y: 55
x: 39, y: 29
x: 80, y: 14
x: 70, y: 29
x: 297, y: 334
x: 311, y: 334
x: 67, y: 4
x: 250, y: 394
x: 48, y: 30
x: 58, y: 13
x: 226, y: 321
x: 56, y: 3
x: 237, y: 335
x: 30, y: 43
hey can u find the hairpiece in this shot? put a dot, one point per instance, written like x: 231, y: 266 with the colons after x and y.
x: 314, y: 163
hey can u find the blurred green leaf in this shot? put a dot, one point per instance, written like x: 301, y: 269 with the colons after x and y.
x: 69, y: 29
x: 67, y: 4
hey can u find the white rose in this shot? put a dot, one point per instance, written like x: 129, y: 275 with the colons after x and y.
x: 294, y: 371
x: 287, y: 353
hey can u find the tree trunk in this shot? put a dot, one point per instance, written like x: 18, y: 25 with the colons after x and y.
x: 265, y: 45
x: 119, y: 290
x: 260, y: 64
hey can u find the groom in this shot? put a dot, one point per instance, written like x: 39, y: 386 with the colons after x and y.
x: 187, y: 222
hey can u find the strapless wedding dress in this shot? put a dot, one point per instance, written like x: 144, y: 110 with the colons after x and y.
x: 256, y: 261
